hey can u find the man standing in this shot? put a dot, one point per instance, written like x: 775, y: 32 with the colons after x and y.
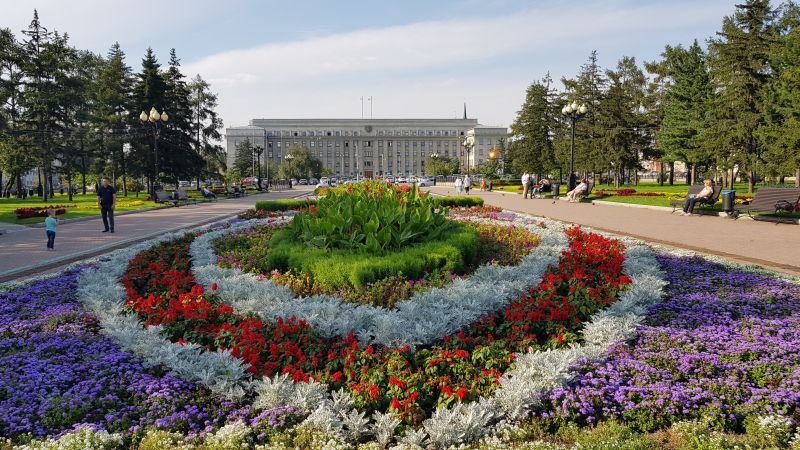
x: 107, y: 200
x: 525, y: 178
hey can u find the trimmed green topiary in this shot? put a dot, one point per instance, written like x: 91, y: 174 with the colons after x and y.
x: 457, y: 201
x: 284, y: 204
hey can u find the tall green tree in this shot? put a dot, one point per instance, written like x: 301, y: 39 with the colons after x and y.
x: 621, y: 115
x: 739, y: 62
x: 780, y: 135
x: 531, y: 147
x: 589, y: 87
x: 16, y: 157
x: 205, y: 128
x: 688, y: 97
x: 181, y: 159
x: 243, y: 161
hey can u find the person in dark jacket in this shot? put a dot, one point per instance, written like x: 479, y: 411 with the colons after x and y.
x: 107, y: 201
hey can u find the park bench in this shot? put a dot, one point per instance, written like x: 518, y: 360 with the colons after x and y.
x: 588, y: 192
x: 771, y: 200
x: 163, y: 197
x: 694, y: 190
x: 184, y: 197
x: 230, y: 192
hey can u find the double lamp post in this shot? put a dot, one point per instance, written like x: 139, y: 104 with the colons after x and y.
x: 573, y: 112
x: 157, y: 121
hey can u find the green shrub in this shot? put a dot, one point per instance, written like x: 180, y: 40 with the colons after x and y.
x: 284, y: 204
x: 371, y: 217
x: 457, y: 201
x: 334, y: 268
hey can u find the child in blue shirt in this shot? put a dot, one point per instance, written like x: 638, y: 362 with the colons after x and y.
x: 50, y: 225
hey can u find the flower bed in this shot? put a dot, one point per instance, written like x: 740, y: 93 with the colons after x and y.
x: 57, y: 370
x: 40, y: 211
x: 723, y: 348
x: 248, y: 251
x: 463, y: 367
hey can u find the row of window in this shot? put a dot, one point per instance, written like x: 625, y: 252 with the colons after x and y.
x: 289, y: 133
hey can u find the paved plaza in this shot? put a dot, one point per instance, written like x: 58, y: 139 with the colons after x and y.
x: 23, y: 252
x: 767, y: 244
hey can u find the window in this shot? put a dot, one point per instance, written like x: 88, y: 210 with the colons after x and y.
x: 312, y: 143
x: 347, y: 143
x: 389, y: 143
x: 296, y: 133
x: 369, y: 143
x: 328, y: 133
x: 279, y: 144
x: 355, y: 133
x: 339, y: 133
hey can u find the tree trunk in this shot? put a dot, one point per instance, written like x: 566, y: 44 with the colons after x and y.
x: 782, y: 180
x: 69, y: 184
x: 751, y: 181
x: 41, y: 188
x: 690, y: 180
x: 797, y: 177
x: 671, y: 173
x: 661, y: 174
x: 19, y: 185
x: 50, y: 180
x: 83, y: 167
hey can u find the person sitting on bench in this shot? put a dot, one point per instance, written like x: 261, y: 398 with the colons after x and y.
x: 580, y: 189
x: 702, y: 197
x: 207, y: 193
x: 542, y: 186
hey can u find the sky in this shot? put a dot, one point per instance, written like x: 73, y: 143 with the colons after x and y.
x: 414, y: 58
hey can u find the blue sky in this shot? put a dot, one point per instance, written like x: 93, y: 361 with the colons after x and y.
x: 284, y: 59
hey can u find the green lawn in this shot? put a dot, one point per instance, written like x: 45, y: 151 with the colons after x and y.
x: 87, y: 206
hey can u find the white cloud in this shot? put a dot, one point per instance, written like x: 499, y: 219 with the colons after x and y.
x: 325, y: 76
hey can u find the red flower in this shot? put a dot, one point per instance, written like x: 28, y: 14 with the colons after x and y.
x: 374, y: 392
x: 214, y: 287
x: 337, y: 377
x: 447, y: 390
x: 396, y: 403
x: 462, y: 393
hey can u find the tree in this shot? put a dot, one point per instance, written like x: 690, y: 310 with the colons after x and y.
x: 588, y: 88
x: 739, y: 64
x: 441, y: 165
x: 621, y: 115
x: 205, y: 127
x: 531, y: 133
x: 243, y: 161
x: 780, y: 135
x: 15, y: 155
x: 301, y: 164
x: 688, y: 97
x: 181, y: 158
x: 148, y: 92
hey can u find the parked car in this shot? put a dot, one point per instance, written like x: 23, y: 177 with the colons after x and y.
x: 313, y: 181
x: 389, y: 179
x: 323, y: 184
x: 184, y: 183
x: 333, y: 182
x: 302, y: 181
x: 402, y: 180
x: 423, y: 181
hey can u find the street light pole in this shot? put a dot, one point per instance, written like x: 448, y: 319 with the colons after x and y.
x: 156, y: 120
x: 573, y: 112
x: 468, y: 142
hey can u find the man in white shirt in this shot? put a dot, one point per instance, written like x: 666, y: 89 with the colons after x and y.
x: 525, y: 178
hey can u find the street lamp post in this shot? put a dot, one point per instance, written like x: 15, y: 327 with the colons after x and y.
x: 257, y: 151
x: 289, y: 157
x: 468, y: 143
x: 573, y: 112
x: 156, y: 121
x: 494, y: 154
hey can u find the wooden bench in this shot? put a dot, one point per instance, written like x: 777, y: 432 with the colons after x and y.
x: 230, y: 192
x: 163, y: 197
x: 184, y: 197
x: 694, y: 190
x: 771, y: 200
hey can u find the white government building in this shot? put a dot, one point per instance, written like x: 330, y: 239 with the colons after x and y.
x: 369, y: 147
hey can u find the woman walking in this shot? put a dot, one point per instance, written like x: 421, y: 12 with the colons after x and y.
x: 459, y: 184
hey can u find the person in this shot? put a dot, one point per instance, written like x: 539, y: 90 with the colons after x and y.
x: 491, y: 185
x: 572, y: 195
x: 467, y: 184
x: 525, y: 178
x: 107, y: 201
x: 703, y: 196
x: 50, y: 225
x: 542, y: 186
x: 530, y: 186
x: 459, y: 184
x: 208, y: 193
x: 483, y: 184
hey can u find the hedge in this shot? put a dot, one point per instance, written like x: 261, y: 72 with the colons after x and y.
x: 456, y: 252
x: 283, y: 204
x: 458, y: 201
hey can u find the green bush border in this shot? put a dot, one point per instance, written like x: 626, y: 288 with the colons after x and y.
x: 284, y: 204
x: 457, y: 201
x: 456, y: 252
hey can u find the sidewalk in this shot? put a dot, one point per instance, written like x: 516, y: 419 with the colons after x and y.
x: 23, y: 252
x: 774, y: 246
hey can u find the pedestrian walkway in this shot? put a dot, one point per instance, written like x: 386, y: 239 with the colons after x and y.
x: 767, y: 244
x: 23, y: 252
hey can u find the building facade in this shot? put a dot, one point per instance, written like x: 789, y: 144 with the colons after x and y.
x: 368, y: 147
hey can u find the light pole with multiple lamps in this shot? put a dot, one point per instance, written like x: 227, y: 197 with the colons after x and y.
x: 468, y: 142
x: 157, y: 121
x: 573, y: 112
